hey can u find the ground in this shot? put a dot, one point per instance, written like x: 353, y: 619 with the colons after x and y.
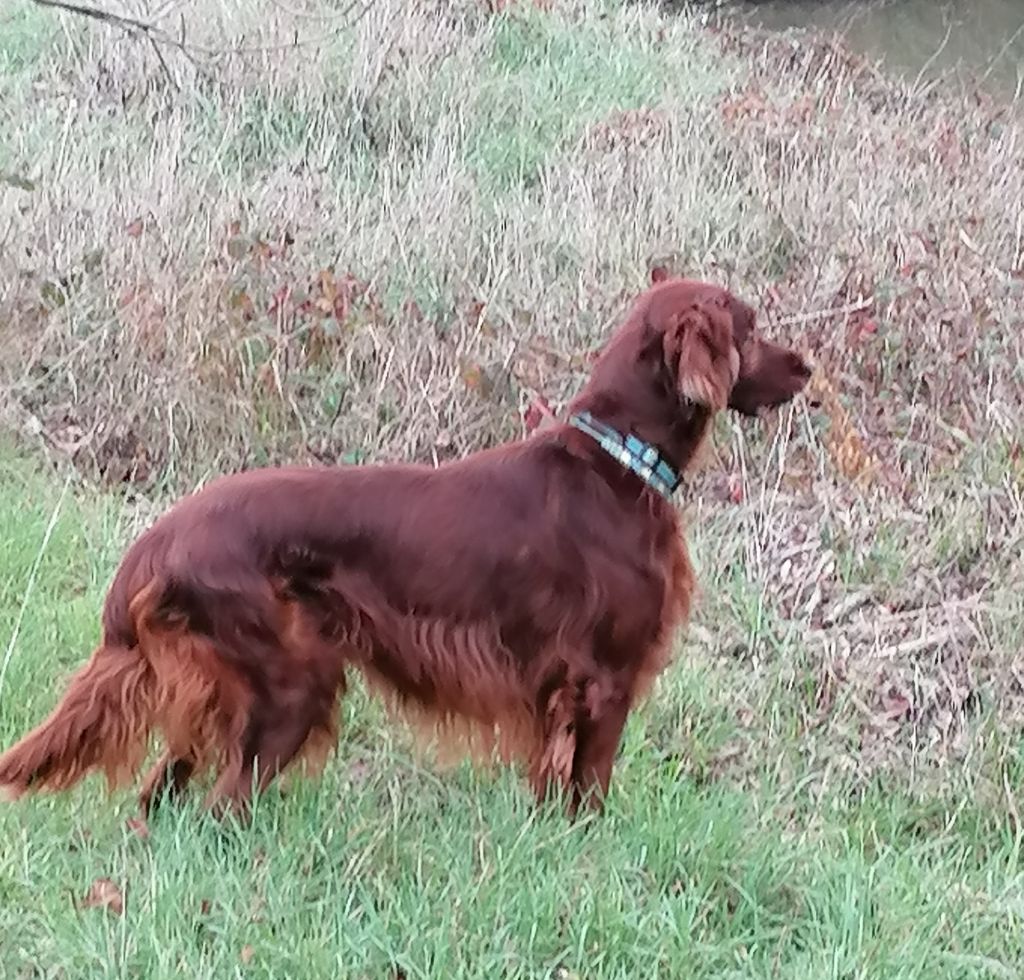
x: 314, y: 235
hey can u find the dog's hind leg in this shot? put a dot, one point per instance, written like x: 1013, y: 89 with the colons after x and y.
x: 168, y: 777
x: 323, y: 736
x: 292, y: 718
x: 202, y: 706
x: 274, y: 739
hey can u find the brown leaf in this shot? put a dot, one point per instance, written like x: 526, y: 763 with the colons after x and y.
x: 537, y: 414
x: 205, y: 906
x: 261, y: 250
x: 328, y: 286
x: 134, y: 229
x: 139, y: 827
x: 240, y: 300
x: 103, y: 893
x: 895, y: 705
x: 278, y: 300
x: 358, y: 772
x: 475, y: 378
x: 246, y: 955
x: 342, y: 306
x: 735, y: 485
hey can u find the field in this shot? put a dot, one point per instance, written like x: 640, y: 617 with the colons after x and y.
x: 312, y: 231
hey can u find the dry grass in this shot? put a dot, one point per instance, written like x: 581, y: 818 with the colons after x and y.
x: 425, y: 180
x: 384, y: 239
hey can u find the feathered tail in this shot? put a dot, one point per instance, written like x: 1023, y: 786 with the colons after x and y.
x: 102, y: 722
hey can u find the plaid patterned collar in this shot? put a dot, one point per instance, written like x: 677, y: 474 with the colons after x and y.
x: 641, y: 457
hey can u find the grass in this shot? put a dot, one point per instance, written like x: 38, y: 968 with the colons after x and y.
x: 310, y: 236
x: 384, y: 869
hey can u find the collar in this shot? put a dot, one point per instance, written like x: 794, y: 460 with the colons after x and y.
x: 641, y: 457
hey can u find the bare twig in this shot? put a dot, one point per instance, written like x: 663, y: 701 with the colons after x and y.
x: 855, y: 307
x: 157, y: 35
x: 106, y: 17
x: 132, y: 25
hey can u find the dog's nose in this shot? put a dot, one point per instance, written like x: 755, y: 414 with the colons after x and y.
x: 799, y: 366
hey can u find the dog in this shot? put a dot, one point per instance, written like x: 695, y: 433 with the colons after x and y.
x: 529, y: 593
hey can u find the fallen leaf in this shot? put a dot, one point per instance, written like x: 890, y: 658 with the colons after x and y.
x: 103, y: 893
x: 895, y: 705
x: 537, y: 413
x: 342, y: 306
x: 474, y: 378
x: 864, y: 329
x: 328, y: 286
x: 278, y: 300
x: 134, y: 228
x: 138, y: 827
x: 772, y: 297
x: 240, y: 300
x: 205, y: 906
x: 246, y: 955
x: 261, y: 250
x: 358, y: 772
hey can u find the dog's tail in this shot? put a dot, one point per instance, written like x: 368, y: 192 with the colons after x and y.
x: 102, y: 722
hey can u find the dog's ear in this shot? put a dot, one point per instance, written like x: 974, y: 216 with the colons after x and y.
x: 700, y: 354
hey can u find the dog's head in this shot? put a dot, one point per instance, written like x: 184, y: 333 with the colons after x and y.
x: 708, y: 343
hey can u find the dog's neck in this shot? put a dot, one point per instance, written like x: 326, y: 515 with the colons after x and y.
x: 636, y: 455
x: 675, y: 432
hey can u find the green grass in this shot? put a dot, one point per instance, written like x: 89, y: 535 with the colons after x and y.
x: 825, y: 783
x: 384, y: 868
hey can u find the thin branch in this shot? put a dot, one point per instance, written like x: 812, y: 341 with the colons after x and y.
x: 155, y: 35
x: 104, y: 16
x: 158, y: 35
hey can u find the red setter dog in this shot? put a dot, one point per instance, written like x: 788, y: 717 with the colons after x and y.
x: 528, y: 593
